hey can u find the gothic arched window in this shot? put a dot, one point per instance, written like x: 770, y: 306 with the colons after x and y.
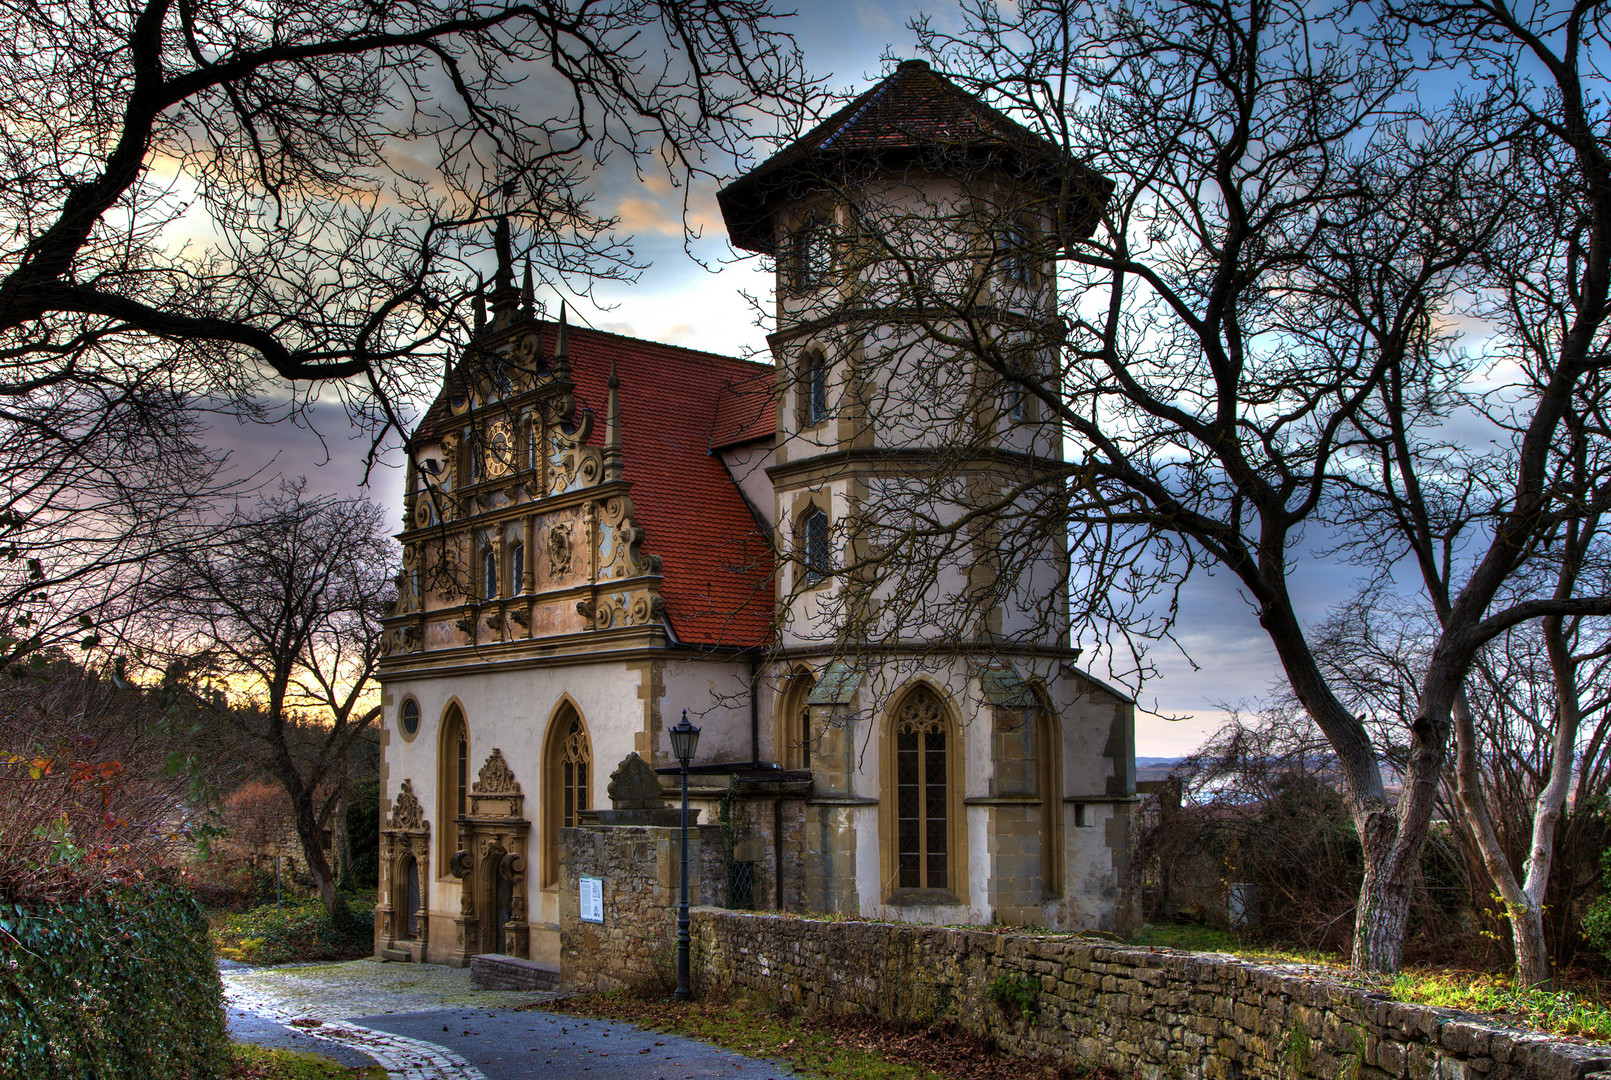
x: 794, y: 722
x: 815, y: 388
x: 453, y: 782
x: 816, y: 547
x: 489, y: 574
x: 568, y: 780
x: 923, y: 792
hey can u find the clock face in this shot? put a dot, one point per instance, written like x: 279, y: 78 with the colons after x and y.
x: 500, y: 449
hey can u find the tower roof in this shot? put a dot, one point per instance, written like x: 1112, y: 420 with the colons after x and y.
x: 915, y: 116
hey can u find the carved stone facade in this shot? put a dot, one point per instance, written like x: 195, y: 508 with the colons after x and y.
x: 402, y: 921
x: 602, y: 532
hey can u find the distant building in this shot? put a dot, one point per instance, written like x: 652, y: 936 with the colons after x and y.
x: 603, y: 532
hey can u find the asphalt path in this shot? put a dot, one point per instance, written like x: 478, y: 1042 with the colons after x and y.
x: 425, y: 1022
x: 509, y: 1045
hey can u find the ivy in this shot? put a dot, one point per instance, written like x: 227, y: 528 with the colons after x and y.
x: 118, y: 986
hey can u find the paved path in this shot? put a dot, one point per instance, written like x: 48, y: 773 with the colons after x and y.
x: 426, y: 1022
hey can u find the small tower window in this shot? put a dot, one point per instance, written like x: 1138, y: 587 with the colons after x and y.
x: 812, y: 256
x: 489, y: 574
x: 816, y: 388
x: 517, y: 567
x: 818, y: 552
x: 1015, y: 254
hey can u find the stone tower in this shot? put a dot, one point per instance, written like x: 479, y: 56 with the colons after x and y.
x: 963, y: 769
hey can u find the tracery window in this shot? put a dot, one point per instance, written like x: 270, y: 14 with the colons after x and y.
x: 922, y: 825
x: 489, y: 574
x: 569, y: 781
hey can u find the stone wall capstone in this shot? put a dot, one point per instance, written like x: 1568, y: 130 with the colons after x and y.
x: 1152, y: 1013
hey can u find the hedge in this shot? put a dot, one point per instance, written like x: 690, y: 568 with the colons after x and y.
x: 121, y: 986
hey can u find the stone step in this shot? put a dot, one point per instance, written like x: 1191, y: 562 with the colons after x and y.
x: 494, y: 971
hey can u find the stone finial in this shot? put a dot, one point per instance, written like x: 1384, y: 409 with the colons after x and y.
x: 634, y: 785
x: 496, y: 778
x: 407, y: 814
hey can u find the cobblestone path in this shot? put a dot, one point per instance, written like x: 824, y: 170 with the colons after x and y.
x: 425, y: 1022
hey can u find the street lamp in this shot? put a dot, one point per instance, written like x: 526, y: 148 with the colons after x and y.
x: 684, y: 740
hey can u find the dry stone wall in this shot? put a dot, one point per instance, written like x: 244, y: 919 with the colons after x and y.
x: 1154, y: 1014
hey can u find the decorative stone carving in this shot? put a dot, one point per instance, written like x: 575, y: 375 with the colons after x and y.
x: 407, y: 813
x: 496, y: 778
x: 559, y: 551
x: 461, y: 864
x: 466, y: 623
x: 518, y: 615
x: 626, y: 555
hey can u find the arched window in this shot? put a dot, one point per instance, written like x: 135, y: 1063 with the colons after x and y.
x: 453, y: 782
x: 924, y: 780
x: 569, y: 783
x: 794, y: 721
x: 816, y: 548
x: 517, y: 567
x: 814, y: 388
x: 489, y: 574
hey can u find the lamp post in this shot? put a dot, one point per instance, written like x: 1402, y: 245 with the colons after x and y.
x: 684, y: 740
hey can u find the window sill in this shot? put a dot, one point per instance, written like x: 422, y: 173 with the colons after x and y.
x: 923, y: 898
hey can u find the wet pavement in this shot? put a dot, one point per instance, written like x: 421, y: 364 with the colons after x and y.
x: 426, y: 1022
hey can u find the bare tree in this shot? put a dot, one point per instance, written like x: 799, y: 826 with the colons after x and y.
x: 287, y: 616
x: 1287, y: 232
x: 293, y: 197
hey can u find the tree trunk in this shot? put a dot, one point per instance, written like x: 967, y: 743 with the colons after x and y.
x: 341, y: 842
x: 307, y: 828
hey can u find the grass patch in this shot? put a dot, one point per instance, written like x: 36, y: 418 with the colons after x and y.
x: 260, y: 1063
x: 1195, y: 937
x: 820, y: 1046
x: 296, y: 931
x: 1560, y: 1012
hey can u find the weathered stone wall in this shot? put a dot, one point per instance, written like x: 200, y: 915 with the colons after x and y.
x: 640, y: 866
x: 1152, y: 1013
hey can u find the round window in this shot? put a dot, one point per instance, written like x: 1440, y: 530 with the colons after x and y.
x: 409, y: 718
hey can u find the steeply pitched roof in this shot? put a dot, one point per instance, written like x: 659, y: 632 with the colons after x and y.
x: 915, y: 112
x: 717, y: 565
x: 746, y: 411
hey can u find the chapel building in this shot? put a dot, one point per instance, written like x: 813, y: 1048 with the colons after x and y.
x: 604, y: 532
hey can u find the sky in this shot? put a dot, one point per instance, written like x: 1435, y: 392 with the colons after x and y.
x: 699, y: 301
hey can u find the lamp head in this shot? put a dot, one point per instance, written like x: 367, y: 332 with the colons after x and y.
x: 684, y: 740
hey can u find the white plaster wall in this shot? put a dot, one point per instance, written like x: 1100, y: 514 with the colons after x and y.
x: 511, y: 710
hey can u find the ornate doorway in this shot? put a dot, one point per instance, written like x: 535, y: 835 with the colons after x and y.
x: 405, y: 855
x: 491, y: 867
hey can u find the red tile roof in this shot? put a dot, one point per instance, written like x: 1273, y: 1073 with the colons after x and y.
x: 716, y: 561
x: 917, y: 111
x: 746, y: 411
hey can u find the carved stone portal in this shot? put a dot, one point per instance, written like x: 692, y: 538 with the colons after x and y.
x: 402, y: 924
x: 491, y: 867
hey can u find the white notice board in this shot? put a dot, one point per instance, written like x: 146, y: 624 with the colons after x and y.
x: 592, y: 899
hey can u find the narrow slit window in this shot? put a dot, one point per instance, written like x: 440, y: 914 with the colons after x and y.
x: 818, y: 551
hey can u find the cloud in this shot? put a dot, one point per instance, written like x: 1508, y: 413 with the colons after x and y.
x: 647, y: 216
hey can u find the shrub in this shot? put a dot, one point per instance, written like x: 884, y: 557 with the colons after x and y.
x: 297, y: 931
x: 114, y: 986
